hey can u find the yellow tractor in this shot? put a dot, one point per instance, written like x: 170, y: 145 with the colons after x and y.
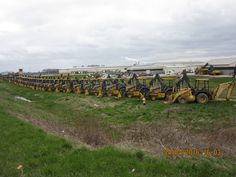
x: 158, y: 87
x: 111, y: 89
x: 93, y: 86
x: 207, y: 69
x: 114, y: 87
x: 200, y: 93
x: 76, y: 86
x: 137, y: 88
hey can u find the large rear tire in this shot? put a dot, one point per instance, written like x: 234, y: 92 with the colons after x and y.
x: 202, y: 98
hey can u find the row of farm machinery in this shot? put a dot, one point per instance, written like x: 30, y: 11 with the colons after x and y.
x: 170, y: 89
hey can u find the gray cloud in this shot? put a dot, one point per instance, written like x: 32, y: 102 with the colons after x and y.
x: 63, y: 33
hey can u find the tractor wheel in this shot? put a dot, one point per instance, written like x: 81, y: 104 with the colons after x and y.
x: 182, y: 100
x: 202, y: 98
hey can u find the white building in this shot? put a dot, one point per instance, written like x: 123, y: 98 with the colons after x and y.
x: 177, y: 67
x: 225, y: 65
x: 146, y: 69
x: 103, y: 69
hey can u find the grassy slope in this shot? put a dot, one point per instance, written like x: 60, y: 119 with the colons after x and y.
x: 70, y: 108
x: 45, y: 155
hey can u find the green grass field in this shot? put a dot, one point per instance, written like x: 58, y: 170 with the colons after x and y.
x: 61, y: 134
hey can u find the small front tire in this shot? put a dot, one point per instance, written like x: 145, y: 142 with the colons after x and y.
x: 182, y: 100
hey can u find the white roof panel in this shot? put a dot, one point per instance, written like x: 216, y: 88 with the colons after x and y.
x: 223, y: 61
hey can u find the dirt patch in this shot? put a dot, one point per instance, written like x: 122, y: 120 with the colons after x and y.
x: 155, y: 137
x: 151, y: 137
x: 224, y: 139
x: 173, y: 110
x: 94, y: 132
x: 91, y: 131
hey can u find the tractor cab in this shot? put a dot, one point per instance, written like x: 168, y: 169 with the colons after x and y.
x: 143, y: 81
x: 202, y: 84
x: 169, y: 83
x: 201, y: 90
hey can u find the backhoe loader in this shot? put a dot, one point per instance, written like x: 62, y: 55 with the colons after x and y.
x: 200, y: 93
x: 137, y: 89
x: 207, y: 69
x: 93, y: 86
x: 180, y: 92
x: 76, y: 86
x: 159, y: 89
x: 114, y: 87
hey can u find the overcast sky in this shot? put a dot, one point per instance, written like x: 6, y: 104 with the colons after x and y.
x: 37, y: 34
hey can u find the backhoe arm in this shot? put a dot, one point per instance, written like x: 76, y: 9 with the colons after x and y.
x: 183, y: 79
x: 229, y: 86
